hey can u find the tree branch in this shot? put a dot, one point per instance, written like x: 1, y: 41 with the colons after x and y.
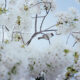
x: 38, y: 17
x: 74, y: 43
x: 41, y: 31
x: 45, y: 17
x: 5, y: 3
x: 40, y: 3
x: 36, y: 23
x: 2, y: 34
x: 35, y: 34
x: 51, y: 27
x: 6, y: 28
x: 68, y: 38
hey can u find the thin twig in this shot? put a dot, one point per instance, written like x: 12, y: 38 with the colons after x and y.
x: 76, y: 32
x: 6, y: 28
x: 44, y: 18
x: 22, y: 32
x: 41, y: 31
x: 38, y: 17
x: 49, y: 30
x: 5, y: 3
x: 68, y: 38
x: 77, y: 39
x: 35, y: 34
x: 39, y: 3
x: 2, y: 34
x: 13, y: 33
x: 42, y: 22
x: 36, y: 23
x: 74, y: 43
x: 47, y: 37
x: 51, y: 27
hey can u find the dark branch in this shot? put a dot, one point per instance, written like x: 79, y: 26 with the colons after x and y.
x: 40, y: 3
x: 6, y: 28
x: 35, y: 34
x: 51, y: 27
x: 74, y: 43
x: 41, y: 31
x: 45, y: 17
x: 36, y: 23
x: 49, y: 30
x: 38, y: 17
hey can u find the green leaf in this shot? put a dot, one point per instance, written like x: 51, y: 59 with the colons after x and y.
x: 48, y: 65
x: 66, y: 51
x: 13, y: 70
x: 31, y: 67
x: 2, y: 10
x: 72, y: 70
x: 76, y: 55
x: 22, y: 46
x: 76, y: 19
x: 25, y: 7
x: 6, y: 41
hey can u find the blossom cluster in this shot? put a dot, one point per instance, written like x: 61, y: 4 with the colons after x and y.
x: 68, y: 21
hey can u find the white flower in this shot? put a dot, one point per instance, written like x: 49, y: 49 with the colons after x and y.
x: 45, y: 61
x: 68, y: 21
